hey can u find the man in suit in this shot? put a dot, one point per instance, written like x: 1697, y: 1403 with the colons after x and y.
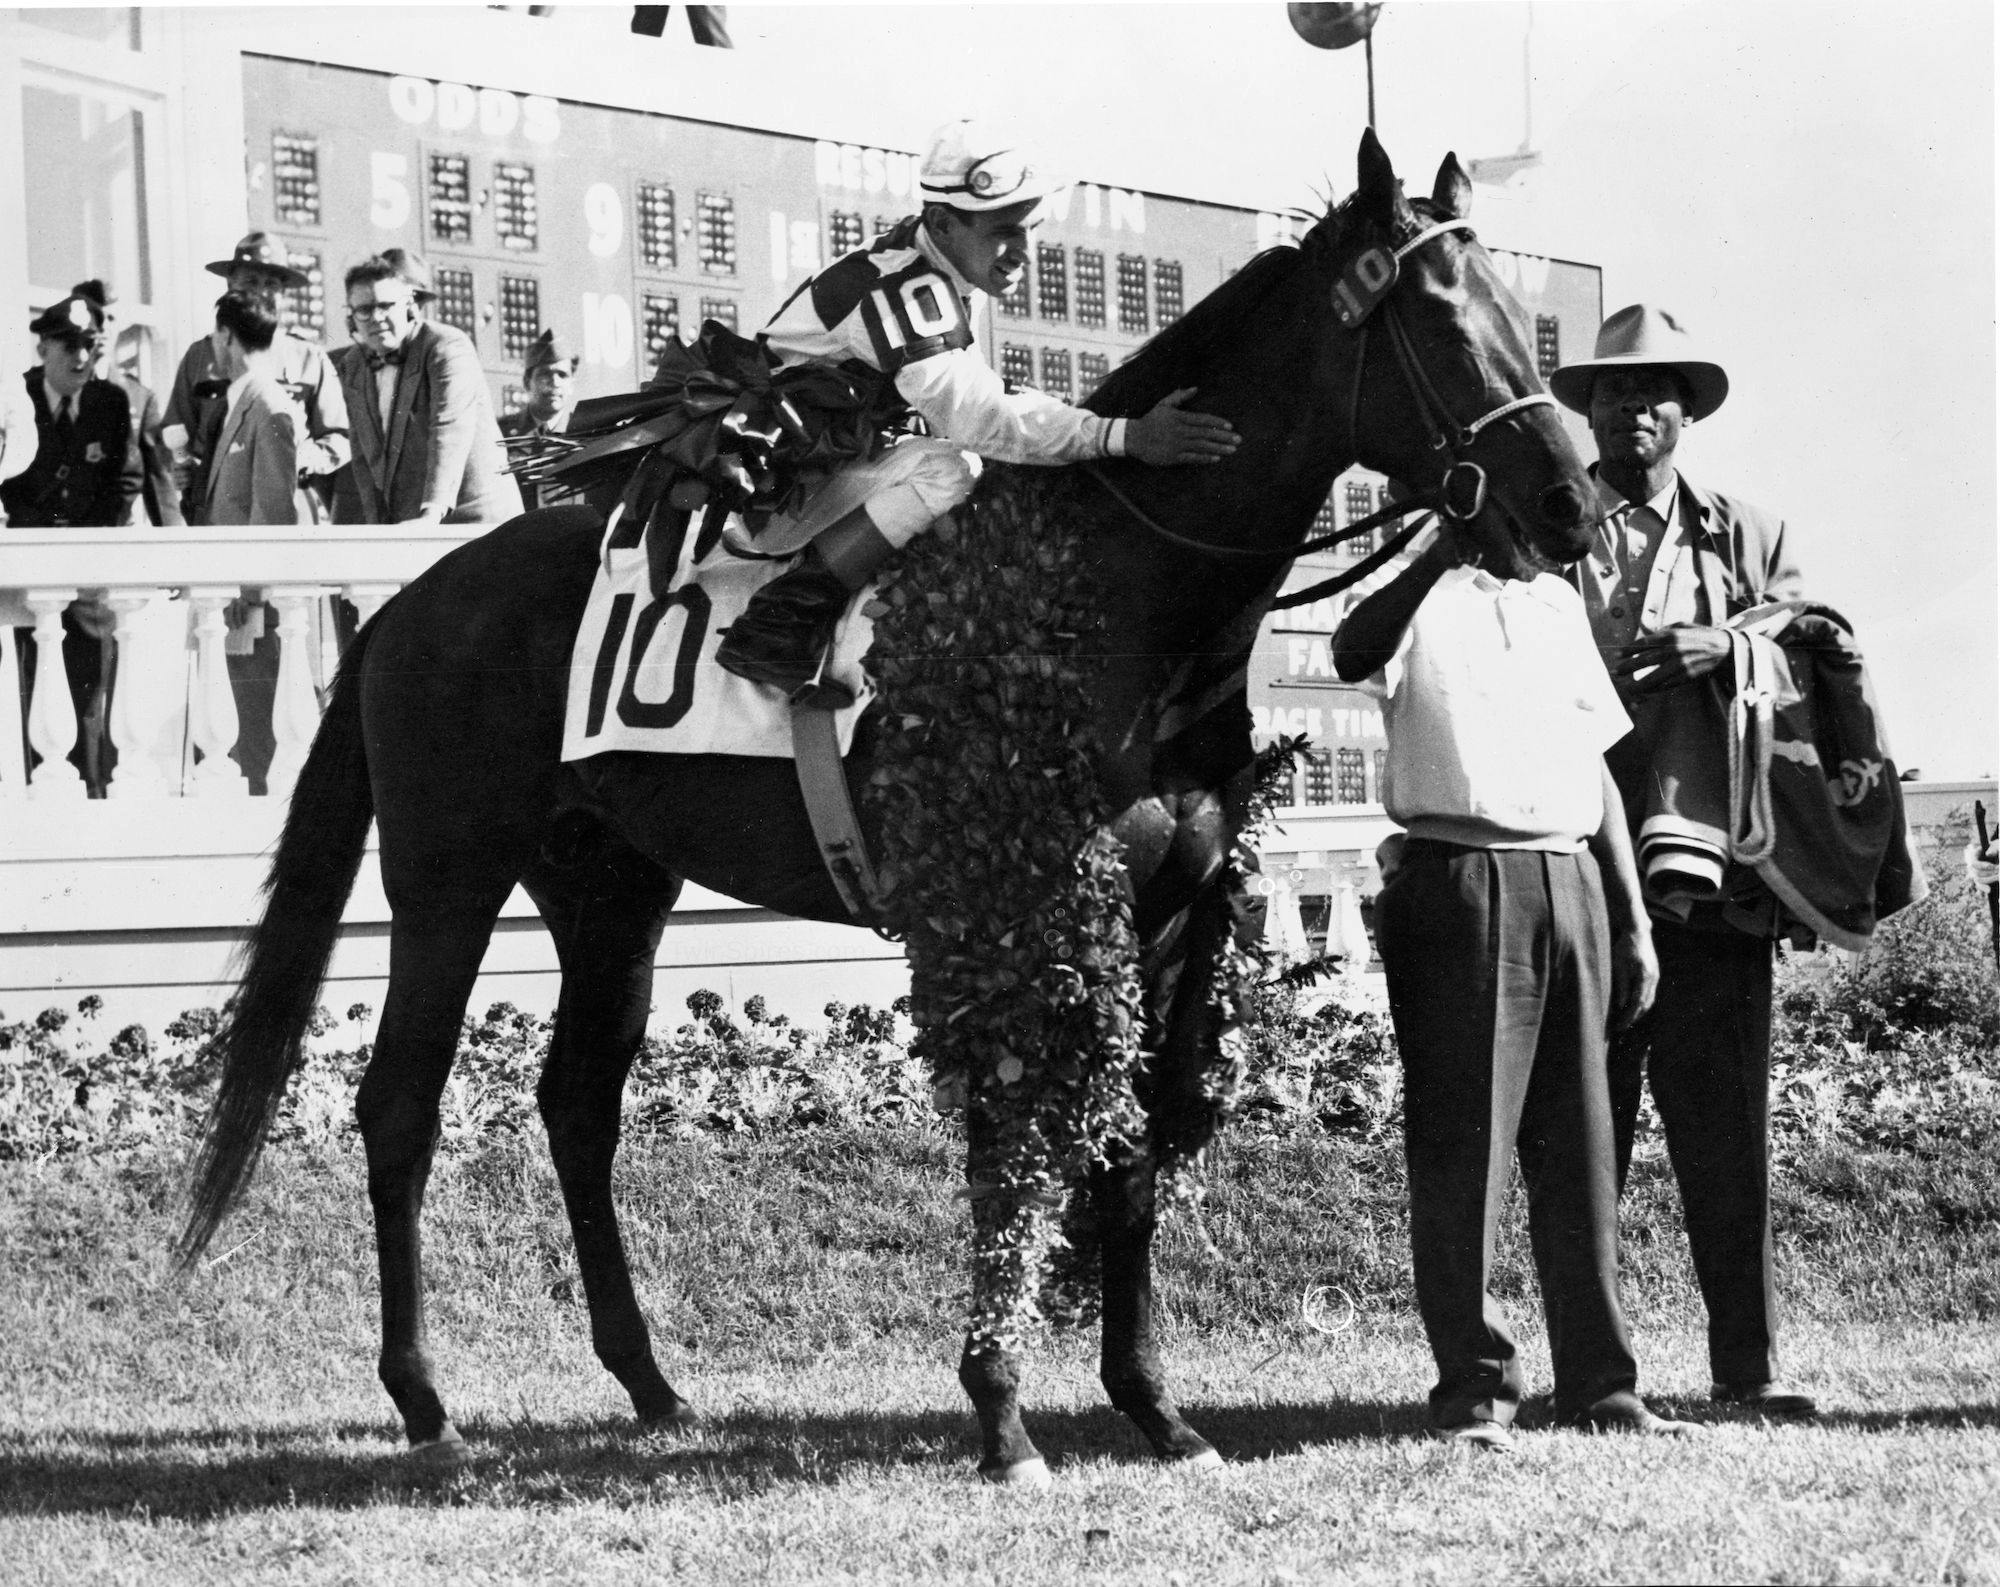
x: 195, y: 407
x: 1669, y: 564
x: 426, y: 447
x: 161, y: 497
x: 253, y: 478
x: 550, y: 378
x: 85, y: 474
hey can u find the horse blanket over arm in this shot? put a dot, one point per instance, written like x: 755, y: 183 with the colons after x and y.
x: 1777, y: 767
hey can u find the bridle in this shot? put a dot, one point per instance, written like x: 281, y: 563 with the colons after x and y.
x: 1460, y: 493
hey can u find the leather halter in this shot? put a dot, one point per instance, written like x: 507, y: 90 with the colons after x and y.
x: 1446, y: 435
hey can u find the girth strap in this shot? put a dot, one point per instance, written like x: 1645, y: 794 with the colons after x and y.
x: 816, y: 751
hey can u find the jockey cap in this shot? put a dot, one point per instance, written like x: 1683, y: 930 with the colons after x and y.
x: 971, y: 166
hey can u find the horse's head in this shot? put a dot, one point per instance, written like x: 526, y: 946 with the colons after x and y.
x: 1446, y: 393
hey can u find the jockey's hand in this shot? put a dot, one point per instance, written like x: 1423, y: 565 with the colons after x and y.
x: 1673, y: 656
x: 1170, y: 434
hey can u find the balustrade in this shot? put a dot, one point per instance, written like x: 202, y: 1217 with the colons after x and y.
x: 173, y: 716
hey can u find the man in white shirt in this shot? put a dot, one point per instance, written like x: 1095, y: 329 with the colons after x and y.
x: 903, y: 309
x: 1512, y: 933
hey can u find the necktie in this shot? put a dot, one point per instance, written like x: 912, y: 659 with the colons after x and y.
x: 377, y: 360
x: 63, y: 424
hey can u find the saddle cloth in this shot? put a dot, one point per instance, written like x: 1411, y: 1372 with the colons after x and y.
x: 643, y: 676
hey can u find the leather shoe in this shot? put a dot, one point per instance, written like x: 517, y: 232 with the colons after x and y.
x: 1492, y: 1438
x: 1625, y: 1412
x: 1766, y: 1399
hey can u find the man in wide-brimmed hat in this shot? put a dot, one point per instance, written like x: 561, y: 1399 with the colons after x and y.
x: 1671, y: 562
x: 259, y: 266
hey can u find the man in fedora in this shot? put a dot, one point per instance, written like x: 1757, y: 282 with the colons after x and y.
x: 1670, y: 563
x: 426, y: 447
x: 550, y: 378
x: 199, y: 399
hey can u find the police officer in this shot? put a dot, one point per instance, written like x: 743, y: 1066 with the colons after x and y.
x: 200, y: 394
x: 85, y: 474
x: 904, y: 309
x: 86, y: 470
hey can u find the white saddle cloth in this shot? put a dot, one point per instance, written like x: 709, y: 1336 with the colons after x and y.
x: 643, y: 673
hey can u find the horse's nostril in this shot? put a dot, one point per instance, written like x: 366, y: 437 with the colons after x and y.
x: 1561, y: 504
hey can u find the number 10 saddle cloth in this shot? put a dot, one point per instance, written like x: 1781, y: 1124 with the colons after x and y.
x: 687, y: 471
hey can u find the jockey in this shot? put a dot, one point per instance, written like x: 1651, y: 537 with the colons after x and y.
x: 904, y: 309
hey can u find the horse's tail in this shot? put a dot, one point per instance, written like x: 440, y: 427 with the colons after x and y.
x: 261, y: 1039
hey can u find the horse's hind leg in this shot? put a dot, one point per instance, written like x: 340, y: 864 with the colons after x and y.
x: 433, y: 961
x: 1124, y: 1201
x: 606, y: 936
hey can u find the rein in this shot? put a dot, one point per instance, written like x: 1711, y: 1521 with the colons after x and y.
x: 1458, y: 496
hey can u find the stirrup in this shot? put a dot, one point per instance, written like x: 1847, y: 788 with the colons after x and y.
x: 821, y: 692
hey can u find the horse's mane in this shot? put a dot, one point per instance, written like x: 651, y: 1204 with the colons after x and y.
x: 1168, y: 361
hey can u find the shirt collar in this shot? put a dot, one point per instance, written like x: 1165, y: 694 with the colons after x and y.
x: 1610, y: 502
x: 927, y: 246
x: 1547, y: 588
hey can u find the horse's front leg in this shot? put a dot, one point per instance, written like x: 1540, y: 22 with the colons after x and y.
x: 1124, y: 1201
x: 989, y: 1373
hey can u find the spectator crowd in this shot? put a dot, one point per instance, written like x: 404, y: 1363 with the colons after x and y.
x: 260, y: 427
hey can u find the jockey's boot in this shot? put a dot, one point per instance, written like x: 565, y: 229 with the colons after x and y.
x: 782, y: 637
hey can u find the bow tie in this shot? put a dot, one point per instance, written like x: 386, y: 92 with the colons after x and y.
x: 377, y: 360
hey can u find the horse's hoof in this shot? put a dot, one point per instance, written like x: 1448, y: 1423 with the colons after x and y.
x: 682, y: 1418
x: 446, y: 1452
x: 1032, y: 1475
x: 1202, y: 1459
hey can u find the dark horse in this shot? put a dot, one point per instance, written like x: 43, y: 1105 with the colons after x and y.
x: 445, y: 725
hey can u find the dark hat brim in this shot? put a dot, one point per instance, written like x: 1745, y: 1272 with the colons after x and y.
x: 1708, y: 385
x: 224, y: 267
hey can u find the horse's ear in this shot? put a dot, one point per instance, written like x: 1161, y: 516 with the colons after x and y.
x: 1453, y: 193
x: 1381, y: 194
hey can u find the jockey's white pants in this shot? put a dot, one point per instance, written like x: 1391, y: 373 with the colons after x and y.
x: 905, y: 489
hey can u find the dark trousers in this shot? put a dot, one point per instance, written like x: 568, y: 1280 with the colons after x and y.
x: 1706, y: 1046
x: 1498, y: 963
x: 88, y: 665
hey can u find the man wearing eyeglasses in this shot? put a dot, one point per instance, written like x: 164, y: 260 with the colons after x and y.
x: 426, y: 446
x: 903, y: 308
x: 195, y: 408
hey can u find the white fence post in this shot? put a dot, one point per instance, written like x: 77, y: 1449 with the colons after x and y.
x: 137, y: 773
x: 295, y: 708
x: 212, y: 722
x: 13, y: 742
x: 52, y: 724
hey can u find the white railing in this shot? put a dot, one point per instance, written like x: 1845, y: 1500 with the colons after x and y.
x: 167, y: 589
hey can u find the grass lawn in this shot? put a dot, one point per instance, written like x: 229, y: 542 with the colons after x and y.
x: 804, y: 1293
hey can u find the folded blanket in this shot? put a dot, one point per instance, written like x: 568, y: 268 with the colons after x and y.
x: 1775, y: 770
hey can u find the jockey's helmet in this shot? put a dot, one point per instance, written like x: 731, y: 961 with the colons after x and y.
x: 973, y: 167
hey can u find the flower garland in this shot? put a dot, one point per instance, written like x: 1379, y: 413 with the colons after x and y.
x: 1003, y: 879
x: 1010, y: 893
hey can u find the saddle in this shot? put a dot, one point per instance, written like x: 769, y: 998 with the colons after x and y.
x: 716, y: 439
